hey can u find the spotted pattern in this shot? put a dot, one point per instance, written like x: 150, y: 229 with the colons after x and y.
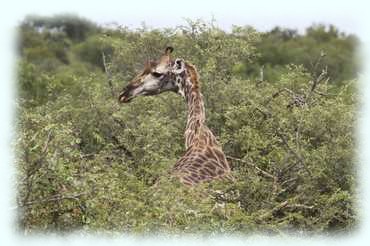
x: 204, y: 159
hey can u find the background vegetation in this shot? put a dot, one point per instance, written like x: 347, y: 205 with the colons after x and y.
x: 282, y: 103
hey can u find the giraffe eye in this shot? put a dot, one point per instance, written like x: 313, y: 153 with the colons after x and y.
x: 156, y: 74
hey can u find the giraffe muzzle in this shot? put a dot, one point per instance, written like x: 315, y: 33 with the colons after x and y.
x: 127, y: 93
x: 124, y: 97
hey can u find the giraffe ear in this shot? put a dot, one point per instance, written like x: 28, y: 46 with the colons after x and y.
x: 147, y: 66
x: 165, y: 59
x: 168, y: 50
x: 179, y: 66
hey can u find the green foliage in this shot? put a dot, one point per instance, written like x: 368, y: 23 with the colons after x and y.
x: 91, y: 50
x: 280, y: 47
x: 76, y: 28
x: 84, y: 162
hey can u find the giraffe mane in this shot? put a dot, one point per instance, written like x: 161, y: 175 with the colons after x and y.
x: 193, y: 73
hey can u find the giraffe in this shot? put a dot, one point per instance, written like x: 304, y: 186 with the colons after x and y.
x: 204, y: 159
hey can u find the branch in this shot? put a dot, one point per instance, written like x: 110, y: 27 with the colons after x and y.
x: 323, y: 73
x: 53, y: 199
x: 278, y: 93
x: 318, y: 61
x: 325, y: 94
x: 316, y: 81
x: 285, y: 204
x: 290, y: 149
x: 109, y: 75
x: 273, y: 210
x: 38, y: 162
x: 297, y: 99
x: 263, y: 172
x: 298, y: 205
x: 46, y: 145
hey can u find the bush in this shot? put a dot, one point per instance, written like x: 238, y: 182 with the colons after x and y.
x: 86, y: 163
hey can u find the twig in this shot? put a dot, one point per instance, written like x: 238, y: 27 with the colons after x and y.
x: 87, y: 155
x: 263, y: 172
x: 273, y: 210
x: 325, y: 94
x: 46, y: 145
x: 318, y: 61
x: 316, y: 81
x: 38, y: 162
x: 278, y: 93
x: 53, y: 199
x: 323, y: 73
x: 109, y: 75
x: 288, y: 181
x: 285, y: 204
x: 298, y: 205
x: 296, y: 155
x: 297, y: 98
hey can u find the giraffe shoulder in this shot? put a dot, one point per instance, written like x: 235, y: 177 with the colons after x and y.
x: 198, y: 165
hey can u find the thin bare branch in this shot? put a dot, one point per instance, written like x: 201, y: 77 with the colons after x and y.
x: 292, y: 151
x: 283, y: 205
x: 38, y: 162
x: 299, y: 206
x: 263, y: 172
x: 54, y: 199
x: 273, y: 210
x: 316, y: 82
x: 109, y: 75
x: 325, y: 94
x: 278, y: 93
x: 46, y: 145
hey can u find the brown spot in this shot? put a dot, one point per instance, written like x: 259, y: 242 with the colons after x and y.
x: 179, y: 165
x: 202, y: 141
x: 220, y: 172
x: 219, y: 154
x: 196, y: 164
x: 194, y: 175
x: 192, y: 169
x: 193, y: 74
x: 202, y: 177
x: 210, y: 166
x: 202, y: 158
x: 209, y: 153
x: 215, y: 163
x: 188, y: 151
x: 187, y: 183
x: 225, y: 165
x: 207, y: 171
x: 187, y: 179
x: 203, y: 172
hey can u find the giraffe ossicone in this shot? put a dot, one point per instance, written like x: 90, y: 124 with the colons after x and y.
x: 204, y: 159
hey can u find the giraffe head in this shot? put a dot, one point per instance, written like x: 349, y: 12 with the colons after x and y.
x: 159, y: 76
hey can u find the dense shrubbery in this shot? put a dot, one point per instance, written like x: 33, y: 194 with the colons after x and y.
x: 86, y: 163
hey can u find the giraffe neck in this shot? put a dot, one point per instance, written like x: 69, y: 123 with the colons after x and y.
x: 196, y: 113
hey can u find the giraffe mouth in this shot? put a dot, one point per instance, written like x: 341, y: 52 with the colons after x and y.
x: 127, y: 94
x: 124, y: 99
x: 130, y: 93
